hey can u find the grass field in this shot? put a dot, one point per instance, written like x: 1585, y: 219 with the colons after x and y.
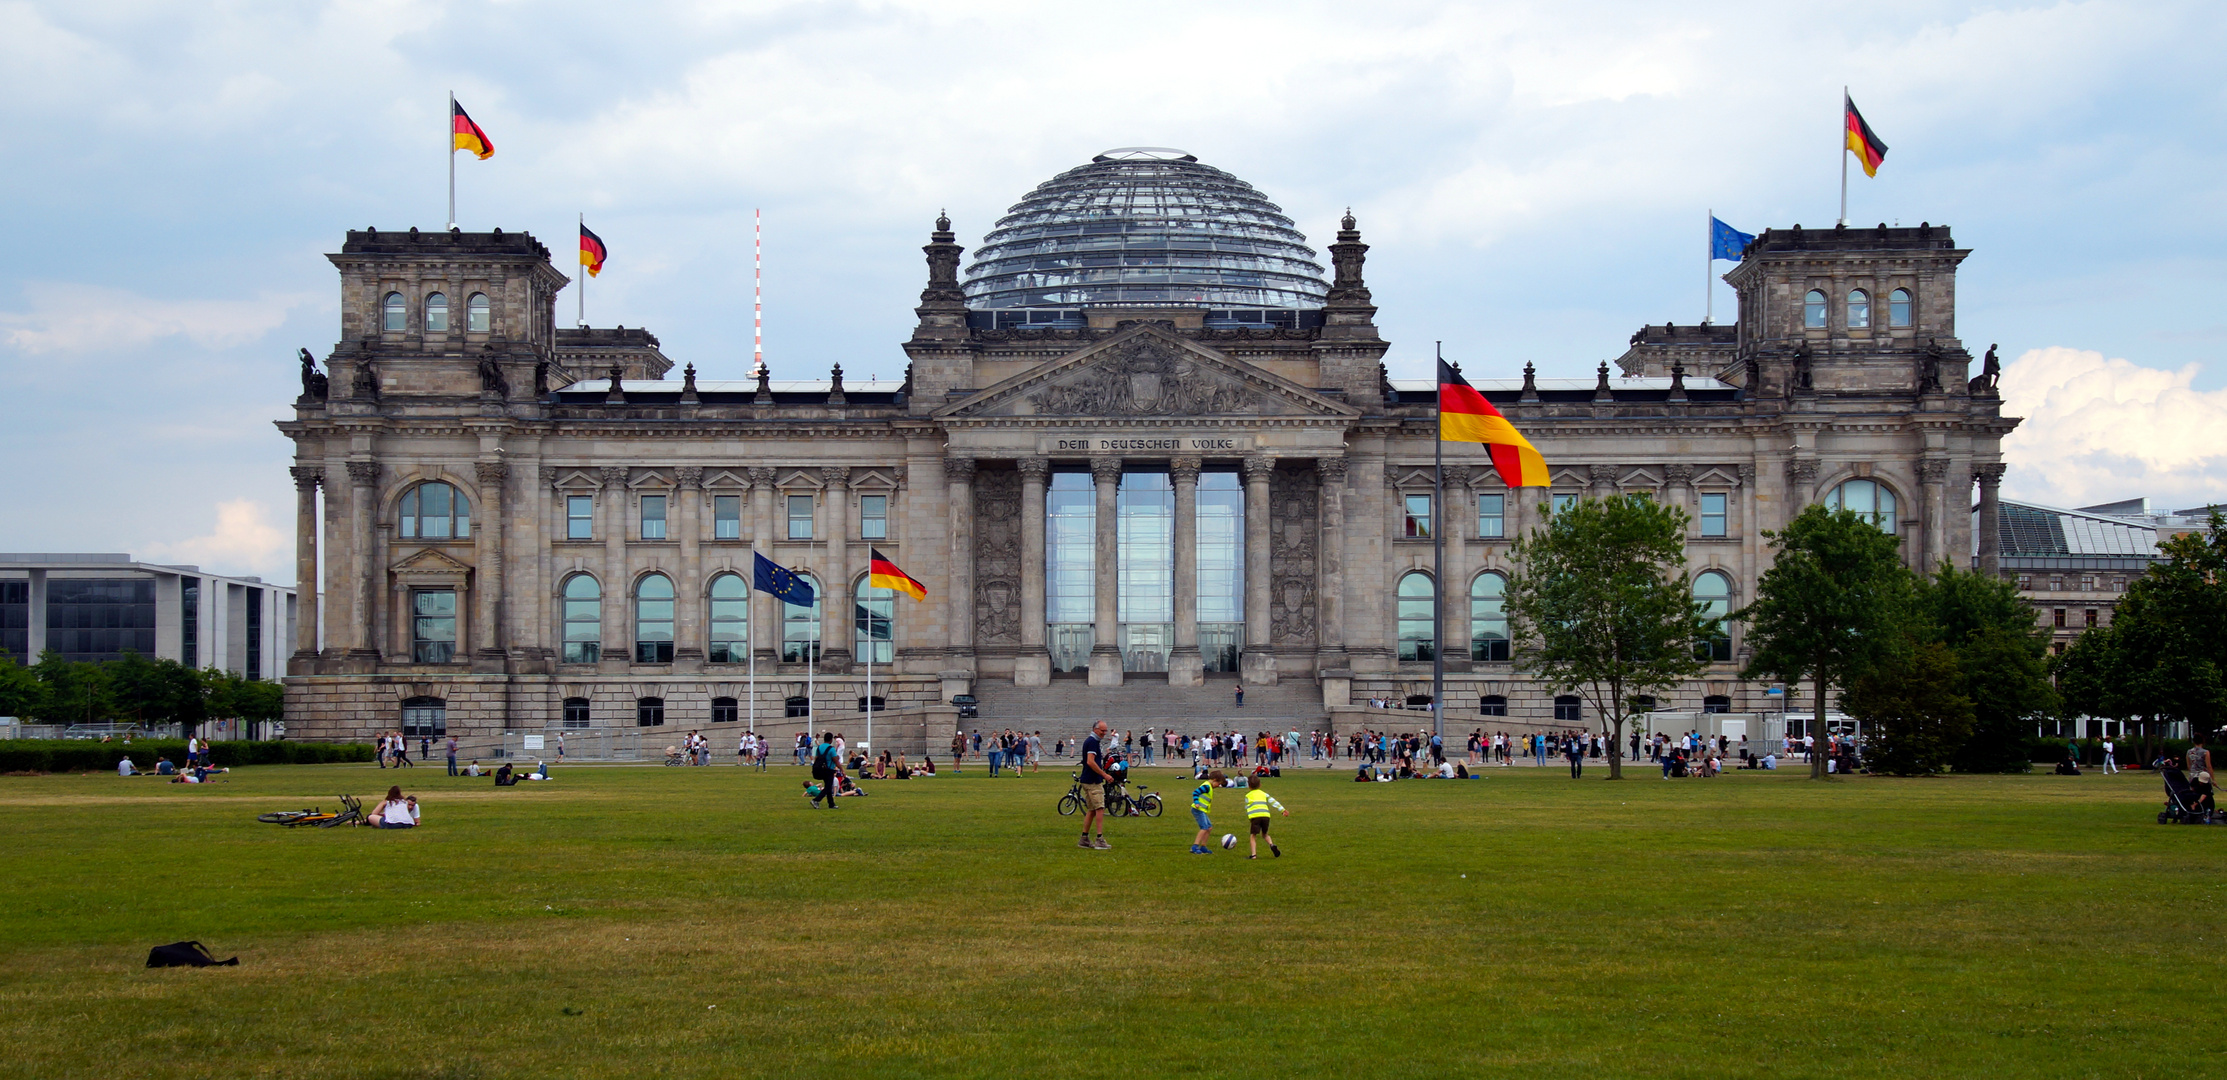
x: 702, y: 922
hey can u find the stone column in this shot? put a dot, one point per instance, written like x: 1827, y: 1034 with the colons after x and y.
x: 361, y: 637
x: 1990, y: 477
x: 1257, y: 665
x: 1678, y: 492
x: 618, y: 598
x: 1459, y: 518
x: 1801, y: 485
x: 1185, y: 666
x: 688, y: 592
x: 306, y: 479
x: 1033, y: 667
x: 765, y: 611
x: 958, y: 475
x: 1105, y: 646
x: 1604, y: 481
x: 1933, y: 475
x: 1330, y: 619
x: 837, y: 659
x: 487, y: 576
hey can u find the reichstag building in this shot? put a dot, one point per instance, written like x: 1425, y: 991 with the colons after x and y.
x: 1145, y: 449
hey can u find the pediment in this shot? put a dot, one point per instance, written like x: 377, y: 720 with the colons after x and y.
x: 429, y: 561
x: 1146, y: 371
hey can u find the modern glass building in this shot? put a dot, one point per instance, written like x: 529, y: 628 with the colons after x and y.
x: 96, y: 607
x: 1144, y: 225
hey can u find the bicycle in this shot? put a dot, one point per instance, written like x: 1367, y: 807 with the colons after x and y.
x: 351, y: 810
x: 1118, y: 804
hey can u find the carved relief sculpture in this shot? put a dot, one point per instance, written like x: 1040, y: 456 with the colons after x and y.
x: 1294, y: 526
x: 997, y: 555
x: 1146, y: 377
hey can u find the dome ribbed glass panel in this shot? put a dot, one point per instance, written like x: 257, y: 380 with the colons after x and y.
x: 1144, y: 226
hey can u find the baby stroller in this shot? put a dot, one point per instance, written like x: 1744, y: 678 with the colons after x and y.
x: 2184, y: 805
x: 673, y: 756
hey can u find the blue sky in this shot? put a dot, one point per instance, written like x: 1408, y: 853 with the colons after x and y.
x: 1534, y: 179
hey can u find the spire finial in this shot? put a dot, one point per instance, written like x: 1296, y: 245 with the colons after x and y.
x: 1347, y: 222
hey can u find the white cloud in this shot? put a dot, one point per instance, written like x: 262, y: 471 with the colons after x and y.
x: 245, y: 541
x: 2099, y: 430
x: 71, y: 318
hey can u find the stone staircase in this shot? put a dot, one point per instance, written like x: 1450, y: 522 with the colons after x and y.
x: 1068, y: 707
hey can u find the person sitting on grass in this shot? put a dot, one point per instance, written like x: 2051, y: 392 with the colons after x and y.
x: 927, y: 767
x: 504, y: 778
x: 163, y: 767
x: 124, y: 767
x: 474, y: 769
x: 844, y: 785
x: 396, y: 812
x: 1461, y: 772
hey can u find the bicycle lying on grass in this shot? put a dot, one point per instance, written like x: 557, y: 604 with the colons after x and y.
x: 351, y: 812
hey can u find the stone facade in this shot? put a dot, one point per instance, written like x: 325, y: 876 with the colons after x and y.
x: 625, y: 479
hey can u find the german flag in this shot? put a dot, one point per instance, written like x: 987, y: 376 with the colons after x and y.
x: 591, y: 251
x: 1465, y: 416
x: 883, y: 574
x: 1861, y: 142
x: 468, y: 135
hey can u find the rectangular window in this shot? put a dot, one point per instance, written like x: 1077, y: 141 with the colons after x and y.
x: 800, y: 517
x: 1563, y: 500
x: 1712, y: 513
x: 2025, y: 583
x: 653, y: 517
x: 2057, y: 618
x: 189, y: 623
x: 726, y: 517
x: 579, y: 517
x: 1418, y: 516
x: 873, y: 517
x: 1492, y: 519
x: 433, y: 626
x: 2091, y: 617
x: 576, y: 712
x: 254, y: 634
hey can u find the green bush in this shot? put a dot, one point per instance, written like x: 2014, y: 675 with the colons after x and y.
x: 85, y: 755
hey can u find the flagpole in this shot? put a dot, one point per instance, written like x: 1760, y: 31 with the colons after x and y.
x: 1438, y: 570
x: 582, y: 274
x: 1844, y: 155
x: 1708, y: 267
x: 750, y: 633
x: 451, y: 140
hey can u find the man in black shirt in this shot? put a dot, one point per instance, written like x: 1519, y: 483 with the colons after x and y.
x: 1095, y: 779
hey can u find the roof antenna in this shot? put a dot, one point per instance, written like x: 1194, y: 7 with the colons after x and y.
x: 757, y: 292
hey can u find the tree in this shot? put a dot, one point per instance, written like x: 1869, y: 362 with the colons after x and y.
x: 1908, y: 702
x: 2002, y: 662
x: 259, y: 702
x: 2165, y: 652
x: 1835, y: 594
x: 1599, y: 604
x: 21, y: 692
x: 76, y: 692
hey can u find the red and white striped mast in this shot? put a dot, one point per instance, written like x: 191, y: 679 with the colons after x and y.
x: 757, y: 291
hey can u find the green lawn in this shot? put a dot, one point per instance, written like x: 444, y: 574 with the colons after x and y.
x: 702, y: 922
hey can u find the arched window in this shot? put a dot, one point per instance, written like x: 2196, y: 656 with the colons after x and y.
x: 730, y: 620
x: 435, y: 511
x: 394, y: 313
x: 583, y: 620
x: 576, y: 712
x: 1714, y: 591
x: 477, y: 316
x: 1716, y: 703
x: 1898, y: 309
x: 1492, y: 705
x: 872, y: 623
x: 653, y: 620
x: 1569, y: 710
x: 1488, y: 617
x: 424, y: 717
x: 1417, y: 642
x: 1813, y: 310
x: 436, y: 313
x: 649, y: 712
x: 1868, y: 498
x: 800, y: 626
x: 1859, y: 310
x: 724, y: 710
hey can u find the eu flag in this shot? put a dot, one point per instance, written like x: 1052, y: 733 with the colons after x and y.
x: 772, y: 577
x: 1726, y: 242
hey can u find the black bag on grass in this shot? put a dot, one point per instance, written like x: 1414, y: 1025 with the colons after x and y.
x: 185, y: 954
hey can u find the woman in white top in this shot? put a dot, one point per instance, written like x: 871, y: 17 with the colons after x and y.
x: 395, y: 813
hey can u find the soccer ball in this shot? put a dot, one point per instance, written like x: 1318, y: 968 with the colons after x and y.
x: 1229, y: 840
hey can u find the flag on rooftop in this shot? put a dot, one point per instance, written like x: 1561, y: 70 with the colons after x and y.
x: 1465, y: 416
x: 1865, y: 145
x: 592, y: 251
x: 468, y: 135
x: 1726, y: 242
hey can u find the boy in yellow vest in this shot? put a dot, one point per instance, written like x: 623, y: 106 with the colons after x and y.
x: 1258, y: 803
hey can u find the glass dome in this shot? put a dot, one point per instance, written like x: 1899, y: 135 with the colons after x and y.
x: 1144, y: 225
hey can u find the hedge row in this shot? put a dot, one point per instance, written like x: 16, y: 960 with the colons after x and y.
x: 85, y: 755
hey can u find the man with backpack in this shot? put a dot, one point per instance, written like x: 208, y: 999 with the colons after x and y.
x: 827, y: 764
